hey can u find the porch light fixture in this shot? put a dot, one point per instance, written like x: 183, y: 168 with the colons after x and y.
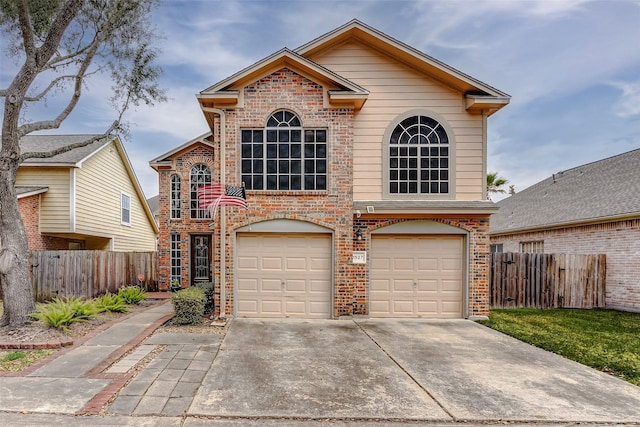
x: 359, y: 237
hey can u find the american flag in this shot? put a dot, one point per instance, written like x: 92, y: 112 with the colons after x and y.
x: 213, y: 195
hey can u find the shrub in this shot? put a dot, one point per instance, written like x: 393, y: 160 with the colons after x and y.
x: 82, y: 309
x: 207, y: 287
x: 56, y: 314
x: 132, y: 294
x: 188, y: 305
x: 111, y: 303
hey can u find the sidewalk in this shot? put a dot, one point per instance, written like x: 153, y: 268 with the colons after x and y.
x: 77, y: 381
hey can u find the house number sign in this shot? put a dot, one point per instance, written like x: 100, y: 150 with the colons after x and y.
x: 359, y: 257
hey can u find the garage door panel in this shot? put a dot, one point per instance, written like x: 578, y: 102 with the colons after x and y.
x: 427, y: 264
x: 271, y: 263
x: 298, y: 286
x: 380, y: 306
x: 248, y: 285
x: 293, y: 275
x: 318, y: 264
x: 403, y: 307
x: 381, y: 285
x: 248, y: 263
x: 428, y: 286
x: 403, y: 286
x: 416, y: 276
x: 270, y: 285
x: 318, y: 286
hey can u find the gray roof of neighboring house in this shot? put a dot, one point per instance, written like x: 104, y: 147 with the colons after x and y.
x: 22, y: 190
x: 46, y: 143
x: 154, y: 204
x: 594, y: 192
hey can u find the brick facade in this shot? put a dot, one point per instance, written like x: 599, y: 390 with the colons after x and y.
x: 332, y: 209
x: 619, y: 240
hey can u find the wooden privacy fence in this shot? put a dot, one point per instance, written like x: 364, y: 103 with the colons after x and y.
x: 520, y: 280
x: 89, y: 273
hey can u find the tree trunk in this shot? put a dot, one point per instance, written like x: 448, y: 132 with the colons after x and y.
x: 15, y: 277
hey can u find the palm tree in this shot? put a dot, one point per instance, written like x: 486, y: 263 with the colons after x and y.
x: 495, y: 184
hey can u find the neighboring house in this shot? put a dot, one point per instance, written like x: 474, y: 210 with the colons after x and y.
x: 590, y: 209
x: 154, y: 206
x: 364, y: 162
x: 86, y: 198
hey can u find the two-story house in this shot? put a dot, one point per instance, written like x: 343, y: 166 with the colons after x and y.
x: 364, y: 163
x: 84, y: 198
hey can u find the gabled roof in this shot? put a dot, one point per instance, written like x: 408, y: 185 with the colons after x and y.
x: 479, y: 96
x: 477, y: 91
x: 165, y: 159
x: 47, y: 143
x: 600, y: 191
x: 227, y: 90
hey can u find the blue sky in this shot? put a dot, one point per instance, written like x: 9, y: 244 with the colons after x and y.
x: 572, y: 68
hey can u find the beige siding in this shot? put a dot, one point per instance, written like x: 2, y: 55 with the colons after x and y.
x: 394, y: 89
x: 99, y: 184
x: 54, y: 206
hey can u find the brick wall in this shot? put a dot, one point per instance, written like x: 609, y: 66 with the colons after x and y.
x: 619, y: 240
x: 30, y: 212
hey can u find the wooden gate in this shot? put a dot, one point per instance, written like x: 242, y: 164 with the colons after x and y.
x: 519, y: 280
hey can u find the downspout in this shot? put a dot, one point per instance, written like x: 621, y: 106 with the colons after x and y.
x: 223, y: 269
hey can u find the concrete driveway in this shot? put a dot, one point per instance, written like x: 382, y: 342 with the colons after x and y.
x: 426, y: 370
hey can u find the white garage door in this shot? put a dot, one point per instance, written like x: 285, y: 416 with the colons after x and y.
x: 284, y: 275
x: 416, y: 276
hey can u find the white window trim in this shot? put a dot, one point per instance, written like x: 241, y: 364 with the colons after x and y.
x: 451, y: 195
x: 122, y: 209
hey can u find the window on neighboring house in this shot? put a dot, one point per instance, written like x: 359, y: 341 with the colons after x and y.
x: 125, y: 209
x: 419, y: 158
x: 199, y: 175
x: 175, y: 196
x: 495, y: 248
x: 176, y: 259
x: 284, y: 155
x: 532, y: 247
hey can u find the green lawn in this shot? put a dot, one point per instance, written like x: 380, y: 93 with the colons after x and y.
x: 603, y: 339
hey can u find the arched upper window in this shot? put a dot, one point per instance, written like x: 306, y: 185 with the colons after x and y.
x: 198, y: 176
x: 418, y: 158
x: 284, y: 155
x: 175, y: 196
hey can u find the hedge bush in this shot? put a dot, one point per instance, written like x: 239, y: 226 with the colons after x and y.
x: 207, y: 287
x: 188, y: 305
x: 132, y: 294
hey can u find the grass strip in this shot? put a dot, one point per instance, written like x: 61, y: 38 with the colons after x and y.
x: 606, y: 340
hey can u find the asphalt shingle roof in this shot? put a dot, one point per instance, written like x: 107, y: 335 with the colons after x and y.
x: 592, y: 192
x: 46, y: 143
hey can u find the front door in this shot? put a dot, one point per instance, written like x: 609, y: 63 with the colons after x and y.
x: 200, y: 258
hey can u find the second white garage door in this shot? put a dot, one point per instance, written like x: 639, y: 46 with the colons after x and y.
x: 416, y: 276
x: 284, y: 275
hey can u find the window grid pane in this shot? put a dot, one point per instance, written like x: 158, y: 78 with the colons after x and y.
x: 200, y: 175
x: 419, y: 157
x: 125, y: 212
x: 284, y: 156
x: 176, y: 259
x: 175, y: 197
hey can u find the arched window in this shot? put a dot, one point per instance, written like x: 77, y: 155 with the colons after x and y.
x: 284, y: 155
x: 418, y: 156
x: 175, y: 196
x: 198, y: 176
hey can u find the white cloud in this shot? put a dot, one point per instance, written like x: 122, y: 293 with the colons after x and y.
x: 629, y: 103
